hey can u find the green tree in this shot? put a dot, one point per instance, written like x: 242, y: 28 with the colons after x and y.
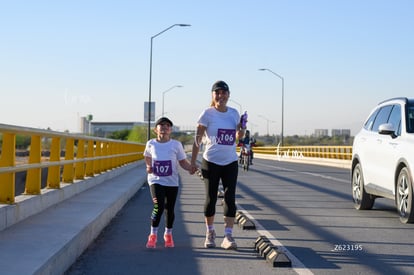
x: 184, y: 138
x: 121, y: 135
x: 22, y: 142
x: 139, y: 134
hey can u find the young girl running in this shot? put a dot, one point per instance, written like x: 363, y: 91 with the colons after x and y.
x: 162, y: 156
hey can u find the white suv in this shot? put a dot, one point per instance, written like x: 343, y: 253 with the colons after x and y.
x: 383, y: 158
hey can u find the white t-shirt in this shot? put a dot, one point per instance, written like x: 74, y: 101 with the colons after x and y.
x: 220, y: 136
x: 165, y: 157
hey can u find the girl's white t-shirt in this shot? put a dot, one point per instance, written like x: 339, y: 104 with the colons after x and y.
x: 220, y: 135
x: 165, y: 157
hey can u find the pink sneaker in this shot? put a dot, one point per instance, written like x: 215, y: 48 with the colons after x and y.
x: 152, y: 241
x: 168, y: 240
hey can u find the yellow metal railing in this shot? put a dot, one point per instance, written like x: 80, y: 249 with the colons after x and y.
x: 327, y: 152
x: 84, y: 156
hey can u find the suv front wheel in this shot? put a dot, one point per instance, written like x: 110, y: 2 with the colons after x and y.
x: 362, y: 200
x: 404, y: 196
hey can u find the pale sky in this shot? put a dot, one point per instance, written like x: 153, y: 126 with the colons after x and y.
x: 61, y: 60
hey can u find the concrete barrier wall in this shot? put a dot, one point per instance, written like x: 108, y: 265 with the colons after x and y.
x: 28, y: 205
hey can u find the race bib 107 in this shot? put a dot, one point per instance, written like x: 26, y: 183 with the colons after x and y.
x: 162, y: 168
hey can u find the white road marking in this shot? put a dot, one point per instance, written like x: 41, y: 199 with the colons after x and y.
x: 297, y: 265
x: 305, y: 173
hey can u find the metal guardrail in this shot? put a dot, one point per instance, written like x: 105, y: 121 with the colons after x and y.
x: 84, y: 156
x: 326, y: 152
x: 329, y: 152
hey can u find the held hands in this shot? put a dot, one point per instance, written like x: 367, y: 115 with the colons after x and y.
x: 243, y: 120
x: 192, y: 169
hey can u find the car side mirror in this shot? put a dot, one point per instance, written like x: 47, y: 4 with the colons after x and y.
x: 387, y: 129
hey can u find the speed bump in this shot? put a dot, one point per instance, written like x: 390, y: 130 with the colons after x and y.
x: 270, y: 253
x: 260, y: 241
x: 278, y: 259
x: 243, y: 221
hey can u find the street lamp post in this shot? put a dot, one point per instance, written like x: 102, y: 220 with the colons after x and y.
x: 150, y: 75
x: 251, y: 127
x: 283, y: 95
x: 240, y: 106
x: 267, y: 120
x: 163, y: 95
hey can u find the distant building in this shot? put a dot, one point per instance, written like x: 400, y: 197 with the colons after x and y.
x: 321, y: 132
x: 336, y: 132
x: 104, y: 129
x: 341, y: 132
x: 84, y: 125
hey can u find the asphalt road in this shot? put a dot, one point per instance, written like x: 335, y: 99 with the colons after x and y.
x: 309, y: 210
x: 306, y: 210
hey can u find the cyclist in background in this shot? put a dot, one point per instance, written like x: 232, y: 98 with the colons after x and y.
x: 249, y: 141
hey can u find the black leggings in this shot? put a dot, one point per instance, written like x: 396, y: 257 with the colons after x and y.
x: 212, y: 173
x: 163, y: 198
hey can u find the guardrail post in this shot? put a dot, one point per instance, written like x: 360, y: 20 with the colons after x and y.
x: 53, y: 175
x: 348, y: 153
x: 89, y: 163
x: 68, y: 168
x: 111, y: 162
x: 8, y: 158
x: 123, y: 149
x: 128, y: 148
x: 104, y: 163
x: 97, y: 162
x: 118, y: 160
x: 119, y: 151
x: 33, y: 179
x: 80, y: 166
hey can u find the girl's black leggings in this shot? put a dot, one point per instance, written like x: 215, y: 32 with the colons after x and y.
x: 212, y: 173
x: 163, y: 198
